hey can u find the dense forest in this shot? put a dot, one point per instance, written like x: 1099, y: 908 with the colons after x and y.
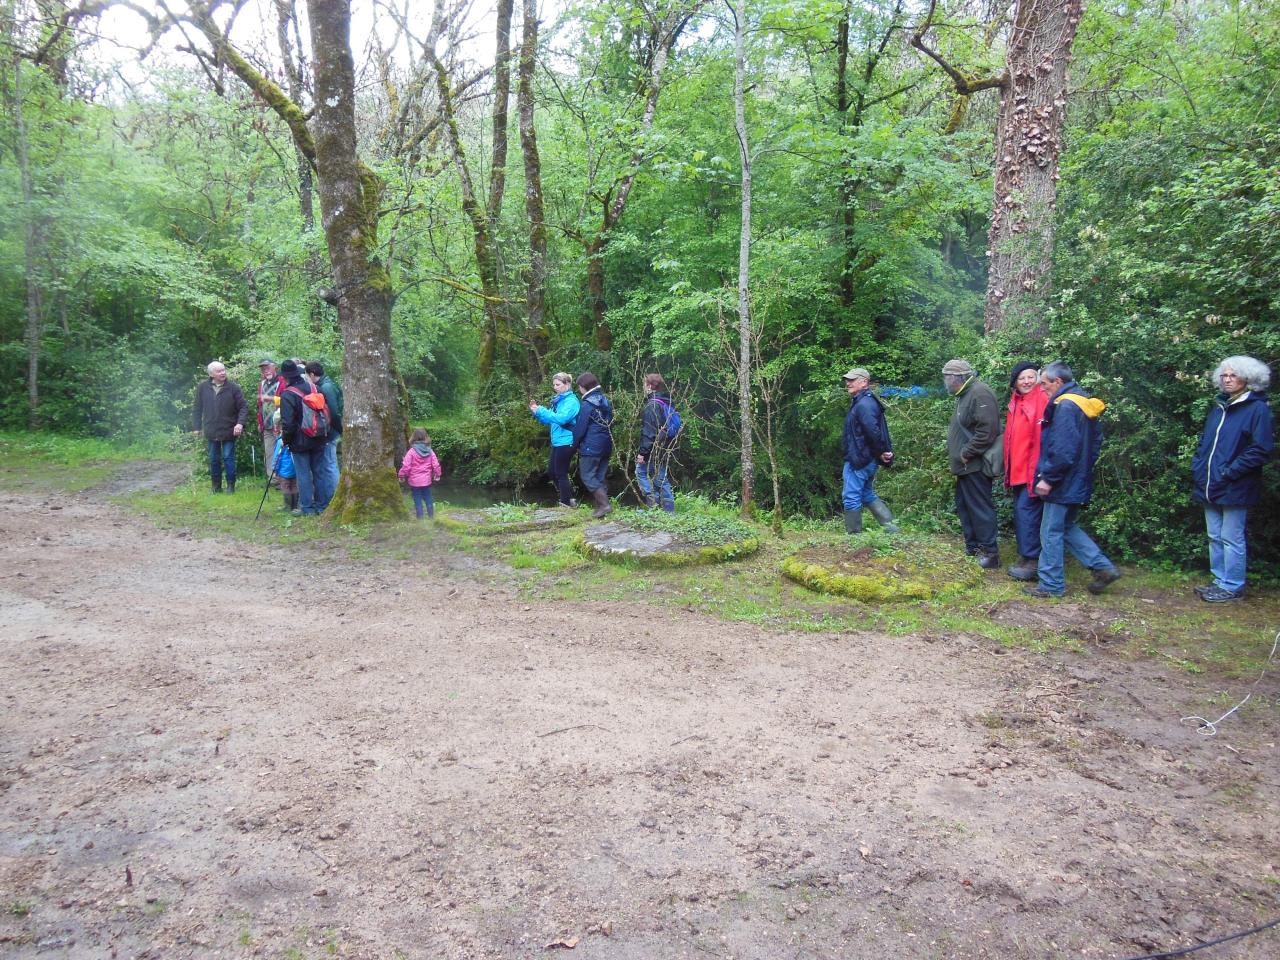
x: 446, y: 204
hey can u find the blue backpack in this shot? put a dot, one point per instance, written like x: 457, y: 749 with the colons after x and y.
x: 670, y: 429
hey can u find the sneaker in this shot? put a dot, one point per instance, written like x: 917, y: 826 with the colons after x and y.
x: 1103, y: 579
x: 1039, y: 592
x: 1205, y: 588
x: 1216, y: 594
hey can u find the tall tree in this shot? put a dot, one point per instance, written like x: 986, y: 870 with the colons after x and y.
x: 1033, y: 101
x: 535, y: 210
x: 746, y: 429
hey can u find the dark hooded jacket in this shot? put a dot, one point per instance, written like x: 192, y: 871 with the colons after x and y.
x: 866, y: 433
x: 1237, y: 441
x: 592, y: 433
x: 653, y: 417
x: 218, y: 411
x: 1070, y: 442
x: 291, y: 417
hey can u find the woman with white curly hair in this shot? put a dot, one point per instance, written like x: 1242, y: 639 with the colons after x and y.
x: 1227, y: 468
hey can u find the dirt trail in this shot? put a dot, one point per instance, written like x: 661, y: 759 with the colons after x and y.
x: 212, y: 748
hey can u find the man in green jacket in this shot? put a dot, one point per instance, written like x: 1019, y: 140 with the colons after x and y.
x: 974, y: 429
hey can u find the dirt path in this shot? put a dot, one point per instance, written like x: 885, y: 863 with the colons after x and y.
x: 212, y: 748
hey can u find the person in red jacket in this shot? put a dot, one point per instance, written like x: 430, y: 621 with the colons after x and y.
x: 1027, y: 401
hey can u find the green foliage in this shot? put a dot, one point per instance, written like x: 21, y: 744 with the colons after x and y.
x: 705, y: 529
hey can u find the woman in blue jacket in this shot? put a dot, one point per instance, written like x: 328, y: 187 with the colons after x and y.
x: 560, y: 414
x: 1227, y: 469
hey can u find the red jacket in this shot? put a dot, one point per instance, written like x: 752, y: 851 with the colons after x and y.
x: 1022, y: 437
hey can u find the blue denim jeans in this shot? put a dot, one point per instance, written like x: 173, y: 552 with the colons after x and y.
x: 222, y: 458
x: 422, y: 500
x: 859, y: 489
x: 1227, y: 556
x: 1058, y: 528
x: 327, y: 477
x: 309, y: 466
x: 592, y: 471
x: 1027, y: 514
x: 653, y: 476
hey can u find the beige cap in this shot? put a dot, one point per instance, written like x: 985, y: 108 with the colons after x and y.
x: 857, y: 373
x: 958, y: 368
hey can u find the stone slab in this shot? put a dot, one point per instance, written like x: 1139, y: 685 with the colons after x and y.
x: 617, y: 541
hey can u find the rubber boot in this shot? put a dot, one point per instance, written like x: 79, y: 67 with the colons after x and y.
x: 603, y: 506
x: 853, y: 521
x: 880, y: 510
x: 1026, y: 569
x: 217, y: 484
x: 231, y: 486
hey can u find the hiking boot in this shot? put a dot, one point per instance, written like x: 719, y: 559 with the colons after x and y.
x: 1102, y: 579
x: 852, y: 522
x: 1202, y: 590
x: 1216, y: 594
x: 1039, y: 592
x: 603, y: 506
x: 880, y: 510
x: 1026, y: 569
x: 989, y: 561
x: 231, y: 486
x: 217, y: 485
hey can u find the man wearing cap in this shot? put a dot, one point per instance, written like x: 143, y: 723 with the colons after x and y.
x: 974, y: 429
x: 269, y: 388
x: 307, y: 452
x: 220, y: 413
x: 866, y: 446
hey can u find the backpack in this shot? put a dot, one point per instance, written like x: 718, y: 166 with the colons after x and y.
x: 670, y: 429
x: 315, y: 413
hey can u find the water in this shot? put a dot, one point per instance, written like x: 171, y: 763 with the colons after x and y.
x: 459, y: 494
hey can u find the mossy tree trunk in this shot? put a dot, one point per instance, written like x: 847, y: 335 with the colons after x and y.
x: 350, y: 194
x: 536, y: 281
x: 746, y: 428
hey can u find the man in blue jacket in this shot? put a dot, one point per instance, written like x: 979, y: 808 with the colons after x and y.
x: 593, y: 436
x: 1070, y: 441
x: 1237, y: 441
x: 866, y: 446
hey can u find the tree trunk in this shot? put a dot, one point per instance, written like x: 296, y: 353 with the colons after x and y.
x: 746, y: 429
x: 349, y: 200
x: 536, y: 296
x: 1028, y: 145
x: 32, y: 246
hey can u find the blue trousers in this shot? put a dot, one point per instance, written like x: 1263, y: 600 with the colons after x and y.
x: 327, y: 477
x: 422, y: 500
x: 1028, y: 512
x: 1227, y: 557
x: 1058, y: 528
x: 653, y: 476
x: 859, y: 489
x: 222, y: 458
x: 309, y: 466
x: 592, y: 471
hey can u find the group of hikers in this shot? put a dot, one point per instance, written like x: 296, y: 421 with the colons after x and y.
x: 1046, y: 455
x: 1044, y: 452
x: 299, y: 409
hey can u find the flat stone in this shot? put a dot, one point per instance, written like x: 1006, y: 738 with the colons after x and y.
x: 487, y: 521
x: 616, y: 541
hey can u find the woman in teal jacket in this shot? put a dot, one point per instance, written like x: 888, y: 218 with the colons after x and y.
x: 560, y: 415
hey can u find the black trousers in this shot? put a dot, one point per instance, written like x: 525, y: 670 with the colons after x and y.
x: 558, y: 467
x: 977, y: 512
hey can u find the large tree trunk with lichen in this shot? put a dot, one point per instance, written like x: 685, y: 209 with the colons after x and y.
x: 1028, y: 146
x: 349, y: 199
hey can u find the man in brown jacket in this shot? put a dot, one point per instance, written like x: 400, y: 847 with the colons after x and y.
x: 220, y: 413
x: 974, y: 429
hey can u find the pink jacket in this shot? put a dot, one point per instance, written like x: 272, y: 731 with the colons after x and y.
x: 420, y: 471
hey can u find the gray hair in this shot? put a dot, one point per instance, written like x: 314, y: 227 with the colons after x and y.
x: 216, y: 365
x: 1255, y: 374
x: 1058, y: 370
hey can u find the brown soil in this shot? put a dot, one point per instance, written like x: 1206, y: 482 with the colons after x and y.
x: 214, y: 748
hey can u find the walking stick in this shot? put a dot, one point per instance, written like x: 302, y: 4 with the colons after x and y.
x: 268, y: 489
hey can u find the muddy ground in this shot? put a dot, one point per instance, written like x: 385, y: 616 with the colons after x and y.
x: 211, y: 748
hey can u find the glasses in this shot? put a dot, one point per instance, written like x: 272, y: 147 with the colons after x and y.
x: 1231, y: 376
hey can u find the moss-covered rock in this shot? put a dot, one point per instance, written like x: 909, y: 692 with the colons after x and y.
x: 914, y: 571
x: 505, y: 518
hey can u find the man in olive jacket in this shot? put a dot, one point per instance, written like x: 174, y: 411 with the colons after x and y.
x: 974, y: 429
x: 220, y: 413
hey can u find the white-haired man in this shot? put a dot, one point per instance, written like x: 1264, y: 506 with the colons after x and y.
x: 220, y: 414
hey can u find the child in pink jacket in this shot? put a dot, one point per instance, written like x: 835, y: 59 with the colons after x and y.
x: 420, y: 469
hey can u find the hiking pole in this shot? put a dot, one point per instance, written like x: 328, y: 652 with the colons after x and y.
x: 267, y: 490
